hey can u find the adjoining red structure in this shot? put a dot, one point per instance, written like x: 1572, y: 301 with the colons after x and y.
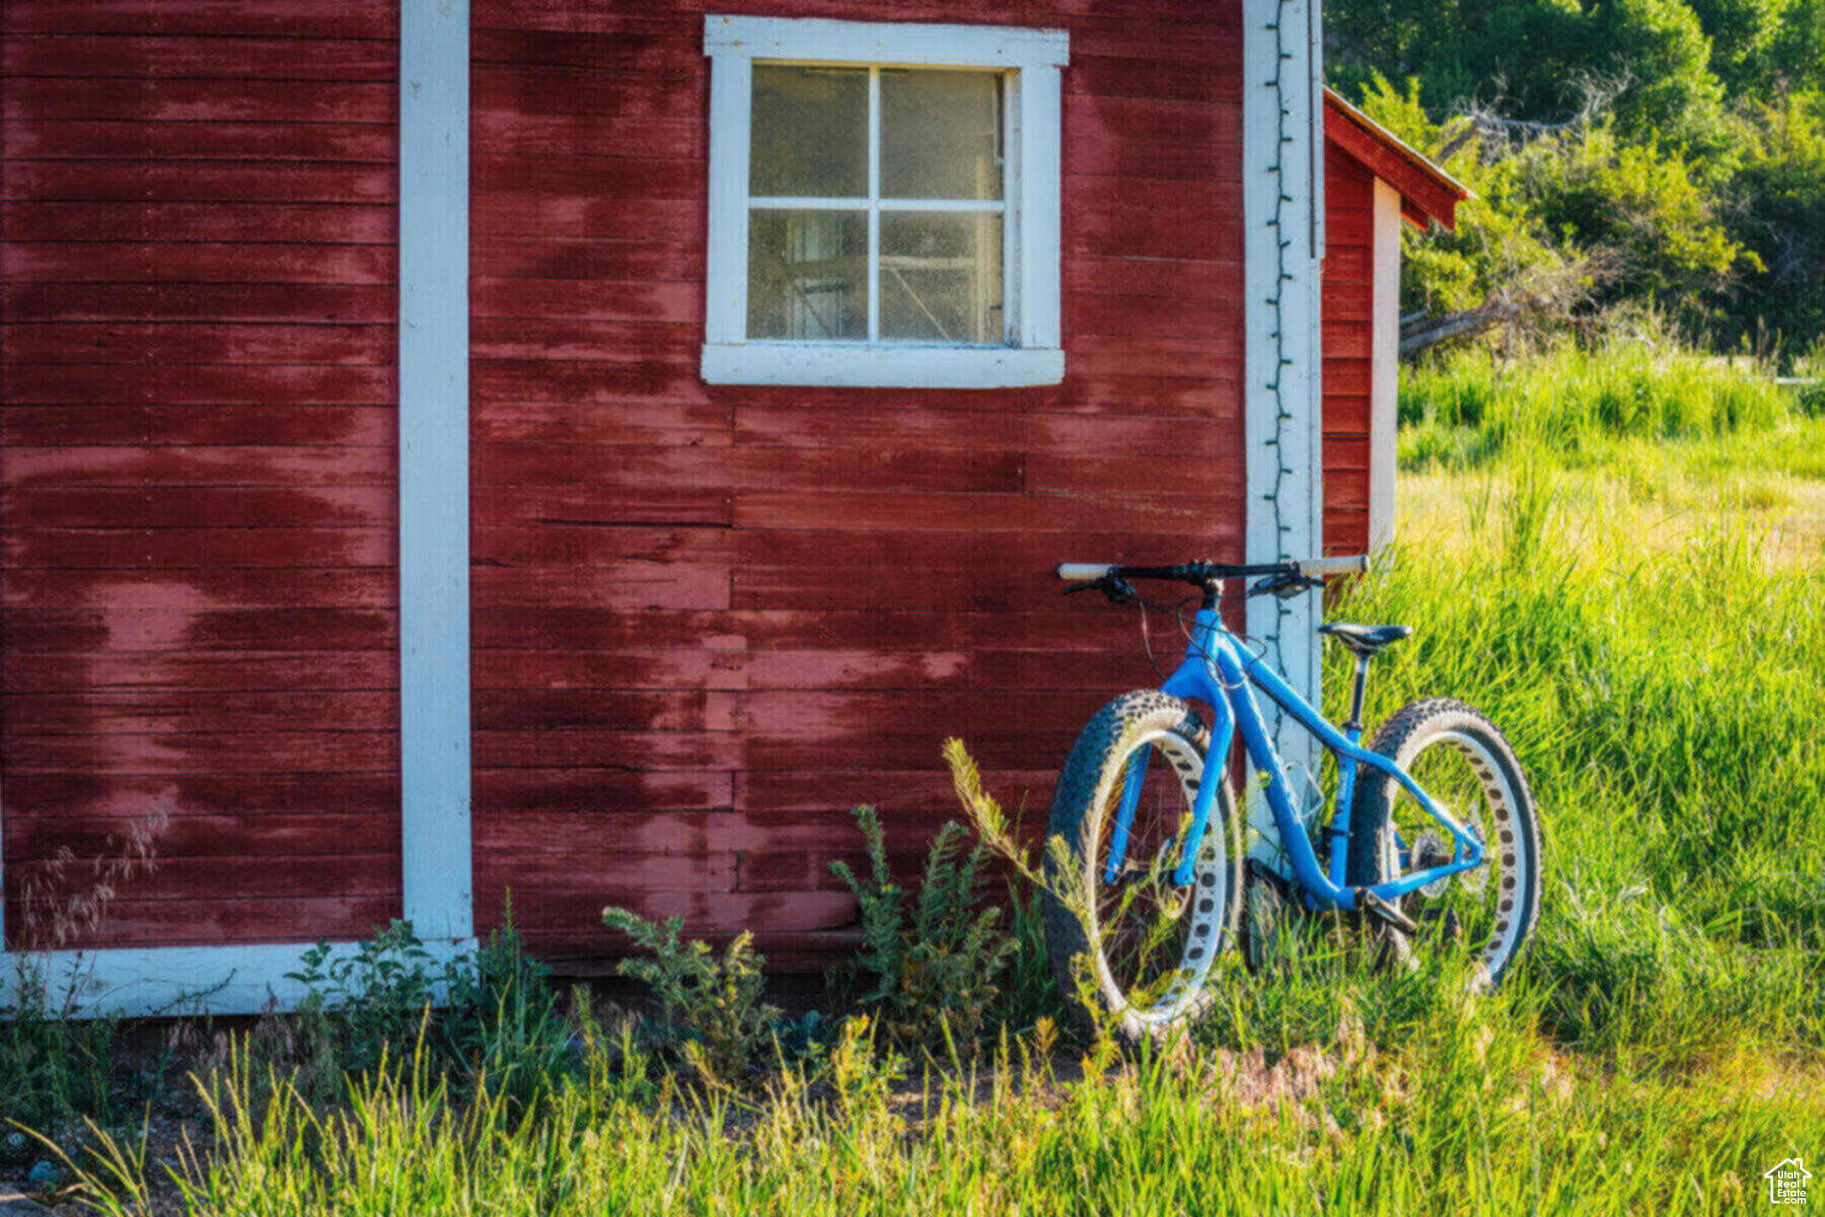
x: 706, y: 618
x: 1372, y: 182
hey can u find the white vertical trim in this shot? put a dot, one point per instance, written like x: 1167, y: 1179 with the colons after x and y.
x: 731, y: 110
x: 434, y: 466
x: 1384, y: 361
x: 874, y: 203
x: 1012, y: 315
x: 1281, y: 322
x: 1314, y: 47
x: 1041, y: 121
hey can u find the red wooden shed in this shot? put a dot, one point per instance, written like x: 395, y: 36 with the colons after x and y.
x: 584, y: 448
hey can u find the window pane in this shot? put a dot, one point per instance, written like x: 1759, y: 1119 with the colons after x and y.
x: 810, y: 132
x: 941, y: 277
x: 808, y: 275
x: 940, y: 135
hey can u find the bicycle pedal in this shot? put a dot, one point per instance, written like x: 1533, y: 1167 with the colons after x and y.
x: 1375, y: 906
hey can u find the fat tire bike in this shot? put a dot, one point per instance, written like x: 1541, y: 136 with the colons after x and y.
x: 1433, y: 838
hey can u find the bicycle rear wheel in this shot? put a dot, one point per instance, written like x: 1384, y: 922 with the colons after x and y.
x: 1468, y: 768
x: 1149, y: 944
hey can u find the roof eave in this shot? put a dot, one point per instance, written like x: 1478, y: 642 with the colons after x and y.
x: 1423, y: 186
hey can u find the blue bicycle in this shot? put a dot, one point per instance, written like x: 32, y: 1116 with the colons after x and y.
x: 1433, y: 837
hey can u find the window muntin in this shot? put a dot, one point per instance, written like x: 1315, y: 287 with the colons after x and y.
x: 876, y: 197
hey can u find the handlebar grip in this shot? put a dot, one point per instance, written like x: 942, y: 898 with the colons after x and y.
x: 1083, y: 572
x: 1355, y: 564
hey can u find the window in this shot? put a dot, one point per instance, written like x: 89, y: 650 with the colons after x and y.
x: 883, y: 204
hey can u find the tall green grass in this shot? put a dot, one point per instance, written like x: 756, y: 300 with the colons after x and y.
x: 1460, y: 410
x: 1663, y: 680
x: 1467, y: 1118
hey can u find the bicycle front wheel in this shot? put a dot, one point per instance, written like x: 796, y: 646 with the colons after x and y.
x: 1147, y: 943
x: 1467, y: 767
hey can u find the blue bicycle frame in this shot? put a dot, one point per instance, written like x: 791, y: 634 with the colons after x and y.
x: 1221, y: 672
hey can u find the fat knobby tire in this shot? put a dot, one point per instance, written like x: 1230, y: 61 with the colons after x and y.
x: 1402, y: 737
x: 1086, y: 770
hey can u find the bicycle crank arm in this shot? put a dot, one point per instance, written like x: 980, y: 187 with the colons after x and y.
x: 1375, y: 906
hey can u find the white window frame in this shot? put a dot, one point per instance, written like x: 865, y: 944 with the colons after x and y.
x: 1035, y: 355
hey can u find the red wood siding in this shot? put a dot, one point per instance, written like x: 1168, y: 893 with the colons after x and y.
x: 1348, y: 295
x: 708, y: 620
x: 197, y: 454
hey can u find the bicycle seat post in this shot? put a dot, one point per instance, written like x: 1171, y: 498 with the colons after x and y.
x: 1354, y: 722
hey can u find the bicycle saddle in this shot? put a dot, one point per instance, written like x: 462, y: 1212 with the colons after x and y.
x: 1365, y: 640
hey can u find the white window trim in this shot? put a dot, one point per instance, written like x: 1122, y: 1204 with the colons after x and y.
x: 1032, y: 263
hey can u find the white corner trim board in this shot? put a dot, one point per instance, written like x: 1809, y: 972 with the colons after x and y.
x: 1282, y: 421
x: 1034, y: 57
x: 433, y: 577
x: 1384, y: 361
x: 434, y: 681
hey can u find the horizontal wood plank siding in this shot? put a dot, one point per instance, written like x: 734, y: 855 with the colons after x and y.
x: 710, y: 620
x: 1348, y: 295
x: 198, y: 636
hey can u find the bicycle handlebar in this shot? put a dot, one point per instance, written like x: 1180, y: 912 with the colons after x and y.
x: 1201, y: 573
x: 1084, y: 572
x: 1354, y: 564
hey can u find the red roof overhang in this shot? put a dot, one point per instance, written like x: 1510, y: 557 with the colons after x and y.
x: 1426, y: 191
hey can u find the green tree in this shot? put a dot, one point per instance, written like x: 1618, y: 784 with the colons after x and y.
x: 1565, y: 222
x: 1746, y: 37
x: 1798, y: 57
x: 1497, y: 249
x: 1779, y: 214
x: 1538, y: 60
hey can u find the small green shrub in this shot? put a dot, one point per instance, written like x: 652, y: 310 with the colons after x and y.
x: 935, y: 973
x: 1084, y: 1008
x: 360, y: 1009
x: 488, y: 1017
x: 710, y: 1009
x: 504, y: 1023
x: 1029, y: 992
x: 55, y: 1069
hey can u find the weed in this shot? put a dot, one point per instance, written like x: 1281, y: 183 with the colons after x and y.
x: 1029, y: 994
x: 497, y: 1024
x: 504, y: 1023
x: 710, y: 1009
x: 933, y: 972
x: 862, y: 1077
x: 1454, y: 1110
x: 1659, y: 679
x: 55, y: 1069
x: 67, y: 897
x: 357, y: 1008
x: 1051, y: 878
x: 58, y: 1062
x: 1463, y: 410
